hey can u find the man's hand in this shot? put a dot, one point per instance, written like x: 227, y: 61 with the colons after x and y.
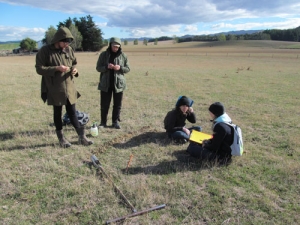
x: 190, y: 110
x: 63, y: 68
x: 74, y: 72
x: 117, y: 67
x: 111, y: 66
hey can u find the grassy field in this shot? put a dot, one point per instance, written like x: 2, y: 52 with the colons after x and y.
x: 9, y: 46
x: 258, y: 82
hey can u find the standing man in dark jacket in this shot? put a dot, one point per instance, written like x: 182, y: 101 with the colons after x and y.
x: 217, y: 148
x: 112, y: 65
x: 56, y: 63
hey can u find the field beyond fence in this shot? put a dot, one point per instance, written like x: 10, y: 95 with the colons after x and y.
x: 258, y: 82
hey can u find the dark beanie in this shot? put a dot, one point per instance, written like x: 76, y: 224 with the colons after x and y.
x: 217, y: 109
x: 183, y: 100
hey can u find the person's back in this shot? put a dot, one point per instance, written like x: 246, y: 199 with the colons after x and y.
x: 222, y: 139
x: 217, y: 147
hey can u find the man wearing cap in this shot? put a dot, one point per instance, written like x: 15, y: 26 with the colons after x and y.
x: 217, y: 148
x: 56, y: 63
x: 112, y: 65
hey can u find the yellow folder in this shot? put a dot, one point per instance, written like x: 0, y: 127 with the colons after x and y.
x: 198, y: 137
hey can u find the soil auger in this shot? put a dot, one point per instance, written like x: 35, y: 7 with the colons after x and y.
x: 97, y: 164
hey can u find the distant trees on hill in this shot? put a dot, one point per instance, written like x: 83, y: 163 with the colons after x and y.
x: 284, y: 35
x: 28, y: 44
x: 163, y: 38
x: 275, y: 34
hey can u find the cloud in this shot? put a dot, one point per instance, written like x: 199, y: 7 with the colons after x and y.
x: 154, y: 32
x: 286, y: 24
x: 265, y: 7
x: 191, y: 28
x: 19, y: 33
x: 101, y: 25
x: 154, y: 18
x: 150, y: 13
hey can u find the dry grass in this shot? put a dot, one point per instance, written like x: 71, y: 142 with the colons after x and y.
x: 41, y: 183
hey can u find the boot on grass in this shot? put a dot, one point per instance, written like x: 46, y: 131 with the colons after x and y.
x: 62, y: 141
x: 82, y: 139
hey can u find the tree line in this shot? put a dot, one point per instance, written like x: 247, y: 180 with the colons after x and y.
x: 274, y: 34
x: 88, y: 37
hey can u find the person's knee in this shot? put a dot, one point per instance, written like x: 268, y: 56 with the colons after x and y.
x: 194, y: 150
x: 198, y: 128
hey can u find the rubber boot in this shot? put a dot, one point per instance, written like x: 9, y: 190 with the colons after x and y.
x: 82, y: 139
x: 62, y: 141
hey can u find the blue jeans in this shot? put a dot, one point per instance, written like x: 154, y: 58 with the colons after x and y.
x: 181, y: 134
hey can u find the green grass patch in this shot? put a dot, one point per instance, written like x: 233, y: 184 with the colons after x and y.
x: 9, y: 46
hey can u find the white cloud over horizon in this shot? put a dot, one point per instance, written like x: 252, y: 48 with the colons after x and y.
x: 150, y: 18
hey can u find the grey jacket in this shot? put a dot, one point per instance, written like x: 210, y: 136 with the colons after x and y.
x: 119, y: 78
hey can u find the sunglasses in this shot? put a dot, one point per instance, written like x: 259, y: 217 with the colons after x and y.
x: 67, y: 40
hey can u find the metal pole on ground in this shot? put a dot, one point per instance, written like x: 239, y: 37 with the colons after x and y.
x: 97, y: 164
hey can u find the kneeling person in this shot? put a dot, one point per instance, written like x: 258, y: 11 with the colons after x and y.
x: 217, y: 148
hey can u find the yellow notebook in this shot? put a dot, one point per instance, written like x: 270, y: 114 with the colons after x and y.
x: 198, y: 137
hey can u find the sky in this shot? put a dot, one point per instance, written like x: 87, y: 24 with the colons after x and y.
x: 20, y: 19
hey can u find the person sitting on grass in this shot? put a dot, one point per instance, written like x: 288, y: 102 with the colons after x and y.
x: 174, y: 121
x: 218, y: 147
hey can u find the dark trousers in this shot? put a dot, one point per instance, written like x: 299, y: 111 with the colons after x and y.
x: 57, y: 116
x: 105, y: 99
x: 197, y: 151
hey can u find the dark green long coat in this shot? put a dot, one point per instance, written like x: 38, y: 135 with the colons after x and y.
x: 56, y: 86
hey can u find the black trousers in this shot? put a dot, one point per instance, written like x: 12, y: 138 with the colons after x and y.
x: 105, y: 99
x: 57, y: 116
x: 197, y: 151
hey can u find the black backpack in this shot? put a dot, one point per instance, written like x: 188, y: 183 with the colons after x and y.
x: 83, y: 118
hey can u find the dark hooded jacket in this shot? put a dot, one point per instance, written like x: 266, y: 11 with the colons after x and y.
x: 175, y: 119
x: 119, y: 80
x: 57, y: 87
x: 222, y: 137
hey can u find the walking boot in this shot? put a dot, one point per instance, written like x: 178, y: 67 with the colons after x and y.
x: 116, y: 125
x: 62, y: 141
x: 82, y: 139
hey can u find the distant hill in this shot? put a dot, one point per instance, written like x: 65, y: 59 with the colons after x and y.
x: 238, y: 32
x: 9, y: 42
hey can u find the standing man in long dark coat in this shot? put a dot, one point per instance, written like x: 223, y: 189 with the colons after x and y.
x: 56, y: 63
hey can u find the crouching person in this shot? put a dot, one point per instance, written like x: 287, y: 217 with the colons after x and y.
x: 217, y: 148
x: 175, y: 119
x: 56, y: 63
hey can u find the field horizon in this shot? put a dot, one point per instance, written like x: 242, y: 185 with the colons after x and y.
x: 257, y: 82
